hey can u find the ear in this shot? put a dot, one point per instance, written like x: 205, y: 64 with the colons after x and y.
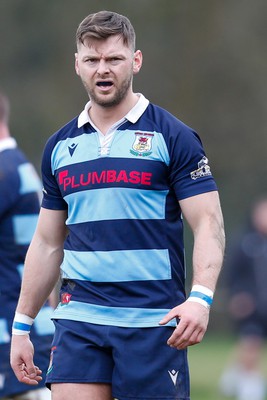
x: 77, y: 64
x: 137, y: 62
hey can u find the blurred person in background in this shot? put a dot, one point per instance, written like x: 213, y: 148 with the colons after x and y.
x: 19, y: 207
x: 246, y: 280
x: 119, y: 176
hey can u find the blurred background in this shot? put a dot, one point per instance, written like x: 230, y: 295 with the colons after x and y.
x: 205, y: 61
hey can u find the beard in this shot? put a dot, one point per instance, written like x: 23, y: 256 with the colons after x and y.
x: 107, y: 101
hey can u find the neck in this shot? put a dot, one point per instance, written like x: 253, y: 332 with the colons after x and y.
x: 105, y: 117
x: 4, y: 131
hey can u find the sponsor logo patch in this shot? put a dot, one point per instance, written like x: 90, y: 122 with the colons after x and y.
x: 173, y: 375
x: 65, y: 298
x: 72, y: 148
x: 202, y: 170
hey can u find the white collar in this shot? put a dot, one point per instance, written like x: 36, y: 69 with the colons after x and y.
x: 133, y: 115
x: 7, y: 143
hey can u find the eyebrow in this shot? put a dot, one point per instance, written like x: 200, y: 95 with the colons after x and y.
x: 96, y: 55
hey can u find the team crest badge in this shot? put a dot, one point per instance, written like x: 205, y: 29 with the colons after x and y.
x: 142, y: 144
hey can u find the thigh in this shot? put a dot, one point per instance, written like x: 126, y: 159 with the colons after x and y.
x: 81, y: 391
x: 146, y: 367
x: 80, y: 354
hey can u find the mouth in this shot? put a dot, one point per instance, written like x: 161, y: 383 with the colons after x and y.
x: 104, y: 84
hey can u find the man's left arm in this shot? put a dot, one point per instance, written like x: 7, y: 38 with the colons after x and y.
x: 204, y: 216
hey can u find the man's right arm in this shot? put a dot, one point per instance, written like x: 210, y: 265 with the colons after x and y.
x: 41, y: 273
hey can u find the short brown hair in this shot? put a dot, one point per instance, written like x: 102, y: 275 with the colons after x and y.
x: 4, y: 108
x: 103, y: 24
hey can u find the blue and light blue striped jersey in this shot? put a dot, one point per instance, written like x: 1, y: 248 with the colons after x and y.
x: 20, y: 189
x: 124, y: 255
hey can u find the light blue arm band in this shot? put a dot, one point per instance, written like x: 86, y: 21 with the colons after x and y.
x: 22, y: 324
x: 202, y: 296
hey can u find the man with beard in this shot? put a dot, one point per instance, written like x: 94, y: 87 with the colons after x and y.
x: 120, y: 176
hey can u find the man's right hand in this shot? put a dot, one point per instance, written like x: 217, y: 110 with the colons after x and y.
x: 21, y: 360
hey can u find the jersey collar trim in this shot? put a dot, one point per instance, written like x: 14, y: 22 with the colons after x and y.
x: 8, y: 143
x: 133, y: 115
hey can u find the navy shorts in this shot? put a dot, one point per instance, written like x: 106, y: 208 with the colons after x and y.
x: 137, y: 362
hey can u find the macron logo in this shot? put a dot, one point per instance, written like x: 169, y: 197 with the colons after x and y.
x: 72, y: 148
x: 173, y: 374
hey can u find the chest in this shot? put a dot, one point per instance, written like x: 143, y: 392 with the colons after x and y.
x: 128, y: 159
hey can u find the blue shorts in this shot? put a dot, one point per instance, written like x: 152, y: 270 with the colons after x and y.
x: 137, y: 362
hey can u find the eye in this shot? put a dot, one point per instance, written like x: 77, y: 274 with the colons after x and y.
x: 91, y: 61
x: 115, y: 60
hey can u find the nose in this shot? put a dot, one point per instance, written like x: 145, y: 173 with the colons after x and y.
x: 103, y: 67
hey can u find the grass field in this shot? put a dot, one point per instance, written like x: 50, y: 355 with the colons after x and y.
x: 207, y: 361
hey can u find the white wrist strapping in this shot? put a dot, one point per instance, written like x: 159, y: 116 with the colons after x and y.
x: 21, y: 324
x: 202, y: 295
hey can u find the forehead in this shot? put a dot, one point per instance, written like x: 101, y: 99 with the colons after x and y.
x: 113, y: 44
